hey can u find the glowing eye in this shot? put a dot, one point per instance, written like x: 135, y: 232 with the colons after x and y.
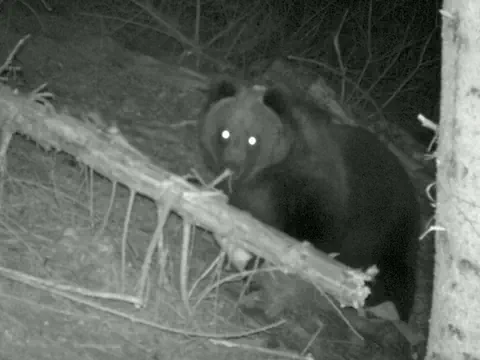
x: 252, y: 140
x: 225, y: 134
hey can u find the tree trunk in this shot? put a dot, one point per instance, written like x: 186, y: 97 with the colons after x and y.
x: 455, y: 319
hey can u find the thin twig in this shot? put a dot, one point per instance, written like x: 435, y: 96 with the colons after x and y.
x: 12, y: 54
x: 184, y: 268
x: 338, y: 51
x: 126, y: 225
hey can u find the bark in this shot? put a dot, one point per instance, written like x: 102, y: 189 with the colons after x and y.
x: 455, y: 319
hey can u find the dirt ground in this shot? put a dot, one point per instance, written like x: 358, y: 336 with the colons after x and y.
x: 51, y: 219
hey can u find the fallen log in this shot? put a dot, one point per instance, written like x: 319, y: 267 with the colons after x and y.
x: 108, y: 153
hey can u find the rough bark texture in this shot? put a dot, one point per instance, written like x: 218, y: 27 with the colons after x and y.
x: 455, y: 321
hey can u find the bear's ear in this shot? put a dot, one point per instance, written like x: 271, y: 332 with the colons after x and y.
x: 277, y: 101
x: 220, y: 90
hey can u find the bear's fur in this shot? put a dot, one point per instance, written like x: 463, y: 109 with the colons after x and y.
x: 336, y: 186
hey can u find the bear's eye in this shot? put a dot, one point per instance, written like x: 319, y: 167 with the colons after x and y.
x: 252, y: 141
x: 225, y: 134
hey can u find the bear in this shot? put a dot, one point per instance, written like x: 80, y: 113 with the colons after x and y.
x: 336, y: 186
